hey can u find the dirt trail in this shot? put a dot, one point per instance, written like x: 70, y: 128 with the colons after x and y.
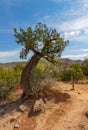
x: 63, y: 111
x: 68, y: 115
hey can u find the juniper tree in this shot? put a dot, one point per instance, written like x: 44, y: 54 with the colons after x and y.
x: 44, y: 42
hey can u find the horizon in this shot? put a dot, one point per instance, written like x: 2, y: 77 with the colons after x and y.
x: 69, y: 18
x: 24, y: 61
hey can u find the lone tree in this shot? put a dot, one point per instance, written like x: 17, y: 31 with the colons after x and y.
x: 44, y: 42
x: 75, y: 72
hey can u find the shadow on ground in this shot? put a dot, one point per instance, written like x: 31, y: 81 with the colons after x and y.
x: 50, y: 94
x: 53, y: 95
x: 57, y: 96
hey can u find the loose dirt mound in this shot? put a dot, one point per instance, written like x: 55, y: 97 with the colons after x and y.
x: 64, y: 110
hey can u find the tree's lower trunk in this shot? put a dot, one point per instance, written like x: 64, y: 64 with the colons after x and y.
x: 26, y: 74
x: 73, y: 83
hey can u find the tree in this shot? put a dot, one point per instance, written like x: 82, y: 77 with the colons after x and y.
x: 44, y: 43
x: 75, y: 73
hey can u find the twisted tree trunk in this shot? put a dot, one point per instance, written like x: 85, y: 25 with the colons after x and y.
x: 26, y: 74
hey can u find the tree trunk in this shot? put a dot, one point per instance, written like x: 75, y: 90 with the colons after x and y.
x: 26, y: 74
x: 73, y: 83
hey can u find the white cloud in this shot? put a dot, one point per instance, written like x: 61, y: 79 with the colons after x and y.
x: 72, y: 22
x: 82, y: 50
x: 74, y: 25
x: 12, y: 56
x: 83, y: 38
x: 7, y: 54
x: 75, y: 57
x: 71, y: 34
x: 84, y: 3
x: 47, y: 17
x: 77, y: 36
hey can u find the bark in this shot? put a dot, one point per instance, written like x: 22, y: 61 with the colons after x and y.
x: 73, y: 83
x: 26, y: 74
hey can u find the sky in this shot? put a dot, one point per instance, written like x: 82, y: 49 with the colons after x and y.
x: 68, y: 17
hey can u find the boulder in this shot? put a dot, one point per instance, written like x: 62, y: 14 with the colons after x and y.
x: 12, y: 120
x: 23, y: 107
x: 16, y: 125
x: 38, y: 106
x: 2, y: 110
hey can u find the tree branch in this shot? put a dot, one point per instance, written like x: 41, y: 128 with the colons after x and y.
x: 51, y: 61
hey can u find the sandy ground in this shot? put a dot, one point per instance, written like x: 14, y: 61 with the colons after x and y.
x: 64, y: 110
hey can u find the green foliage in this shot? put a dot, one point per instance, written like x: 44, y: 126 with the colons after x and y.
x: 44, y: 70
x: 19, y: 66
x: 40, y: 40
x: 55, y: 72
x: 39, y: 88
x: 73, y: 72
x: 40, y: 72
x: 9, y: 78
x: 85, y: 67
x: 42, y: 76
x: 9, y: 96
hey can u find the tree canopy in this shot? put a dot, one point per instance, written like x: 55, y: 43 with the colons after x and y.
x: 41, y: 39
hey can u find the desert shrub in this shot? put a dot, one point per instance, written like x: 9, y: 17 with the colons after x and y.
x: 42, y: 76
x: 2, y: 74
x: 39, y: 88
x: 73, y: 72
x: 56, y: 72
x: 40, y: 72
x: 85, y: 67
x: 9, y: 96
x: 19, y: 66
x: 9, y: 78
x: 64, y: 76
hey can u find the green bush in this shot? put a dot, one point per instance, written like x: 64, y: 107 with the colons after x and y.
x: 39, y: 88
x: 9, y: 78
x: 41, y: 77
x: 85, y: 67
x: 73, y: 72
x: 9, y: 96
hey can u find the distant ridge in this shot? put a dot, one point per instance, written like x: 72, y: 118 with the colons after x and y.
x: 64, y: 61
x: 9, y: 64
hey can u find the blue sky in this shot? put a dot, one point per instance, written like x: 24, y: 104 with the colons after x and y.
x: 69, y: 17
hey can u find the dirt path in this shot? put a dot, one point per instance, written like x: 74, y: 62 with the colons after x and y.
x: 68, y: 115
x: 64, y: 111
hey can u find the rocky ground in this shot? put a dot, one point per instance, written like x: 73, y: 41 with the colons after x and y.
x: 64, y: 109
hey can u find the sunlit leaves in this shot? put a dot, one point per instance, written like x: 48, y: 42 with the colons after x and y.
x: 52, y: 44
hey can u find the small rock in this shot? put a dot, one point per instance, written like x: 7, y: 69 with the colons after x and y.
x: 16, y: 125
x: 82, y: 126
x: 2, y: 110
x: 4, y: 125
x: 23, y: 107
x: 12, y: 120
x: 39, y: 105
x: 45, y: 100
